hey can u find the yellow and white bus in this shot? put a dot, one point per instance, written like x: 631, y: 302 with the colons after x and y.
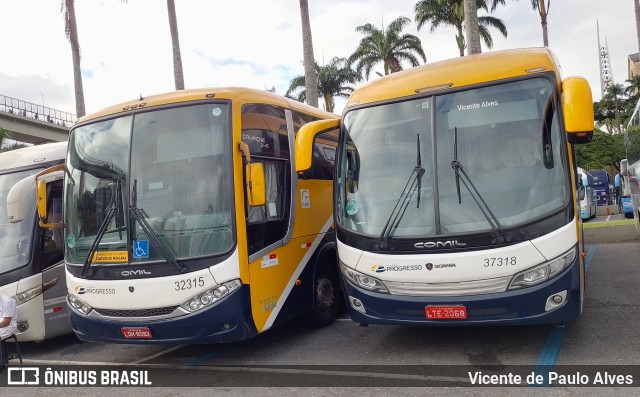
x: 186, y: 221
x: 31, y: 258
x: 455, y: 192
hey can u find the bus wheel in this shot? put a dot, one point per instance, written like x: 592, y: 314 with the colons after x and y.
x: 327, y: 302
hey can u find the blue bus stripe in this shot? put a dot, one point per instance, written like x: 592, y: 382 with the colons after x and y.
x: 551, y: 350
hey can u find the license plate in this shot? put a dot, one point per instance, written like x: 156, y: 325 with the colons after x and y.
x: 136, y: 333
x: 446, y: 312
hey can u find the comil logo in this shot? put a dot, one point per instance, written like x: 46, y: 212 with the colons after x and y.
x: 440, y: 244
x: 377, y: 268
x: 80, y: 290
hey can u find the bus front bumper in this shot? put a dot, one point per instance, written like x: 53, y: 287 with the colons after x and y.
x: 517, y: 307
x: 227, y: 321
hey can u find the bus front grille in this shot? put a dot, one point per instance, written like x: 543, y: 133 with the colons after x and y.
x: 475, y: 287
x: 160, y: 311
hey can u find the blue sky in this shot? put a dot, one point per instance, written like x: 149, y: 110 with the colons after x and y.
x: 126, y: 47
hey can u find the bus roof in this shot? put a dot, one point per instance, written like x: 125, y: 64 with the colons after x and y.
x: 457, y: 72
x: 33, y: 155
x: 236, y: 94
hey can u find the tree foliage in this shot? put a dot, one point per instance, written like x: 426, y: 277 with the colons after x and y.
x: 334, y: 80
x: 451, y: 13
x: 389, y: 46
x: 604, y: 151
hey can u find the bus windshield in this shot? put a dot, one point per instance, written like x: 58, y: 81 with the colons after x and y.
x: 506, y: 138
x: 171, y: 165
x: 15, y: 238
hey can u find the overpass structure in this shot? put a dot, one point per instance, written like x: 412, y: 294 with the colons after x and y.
x: 32, y: 123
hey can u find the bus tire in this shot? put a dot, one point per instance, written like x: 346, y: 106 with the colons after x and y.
x: 326, y: 289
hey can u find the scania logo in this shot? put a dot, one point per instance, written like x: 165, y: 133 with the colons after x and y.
x: 439, y: 244
x: 140, y: 272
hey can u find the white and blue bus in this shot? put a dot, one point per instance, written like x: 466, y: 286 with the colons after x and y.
x: 588, y: 205
x: 31, y: 259
x: 456, y: 192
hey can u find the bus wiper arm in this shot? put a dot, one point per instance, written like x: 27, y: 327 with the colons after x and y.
x: 413, y: 183
x: 502, y: 236
x: 112, y: 212
x: 137, y: 214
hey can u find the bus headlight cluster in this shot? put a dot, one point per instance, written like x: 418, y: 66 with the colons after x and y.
x: 211, y: 296
x: 362, y: 280
x: 27, y: 295
x: 79, y: 304
x: 544, y: 272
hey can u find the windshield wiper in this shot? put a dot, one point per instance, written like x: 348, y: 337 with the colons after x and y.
x: 112, y: 212
x: 413, y: 183
x: 137, y: 214
x: 475, y: 194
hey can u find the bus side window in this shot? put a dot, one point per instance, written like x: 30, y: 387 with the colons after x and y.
x: 53, y: 239
x: 264, y: 130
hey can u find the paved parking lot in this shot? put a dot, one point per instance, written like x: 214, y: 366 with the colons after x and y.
x: 607, y: 334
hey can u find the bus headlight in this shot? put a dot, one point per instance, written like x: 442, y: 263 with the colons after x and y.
x: 79, y: 304
x: 27, y: 295
x: 362, y: 280
x: 211, y: 296
x: 544, y: 272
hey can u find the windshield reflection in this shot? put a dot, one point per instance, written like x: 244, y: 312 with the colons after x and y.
x: 509, y: 143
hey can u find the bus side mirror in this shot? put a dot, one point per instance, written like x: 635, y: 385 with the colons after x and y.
x: 624, y: 167
x: 255, y: 183
x: 577, y: 108
x: 48, y: 175
x: 305, y: 138
x: 581, y: 192
x: 18, y: 199
x: 41, y: 196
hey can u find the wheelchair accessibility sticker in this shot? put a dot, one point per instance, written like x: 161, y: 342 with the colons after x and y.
x: 140, y: 249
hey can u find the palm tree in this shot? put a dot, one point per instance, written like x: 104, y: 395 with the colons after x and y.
x: 450, y: 12
x: 175, y: 43
x: 71, y: 31
x: 389, y: 47
x: 333, y: 81
x: 472, y: 26
x: 309, y: 60
x: 633, y: 89
x: 543, y: 11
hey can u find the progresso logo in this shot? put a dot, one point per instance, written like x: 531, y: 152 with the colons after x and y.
x: 395, y: 268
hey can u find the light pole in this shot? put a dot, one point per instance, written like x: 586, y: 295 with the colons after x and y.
x: 42, y: 96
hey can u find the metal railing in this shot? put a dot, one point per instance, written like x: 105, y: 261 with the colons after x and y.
x: 35, y: 111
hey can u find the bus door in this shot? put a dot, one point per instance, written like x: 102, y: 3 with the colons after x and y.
x: 54, y: 286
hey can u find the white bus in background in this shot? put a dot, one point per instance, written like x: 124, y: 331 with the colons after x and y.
x: 31, y: 258
x: 589, y: 203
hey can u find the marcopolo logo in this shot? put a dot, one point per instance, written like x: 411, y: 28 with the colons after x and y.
x: 395, y: 268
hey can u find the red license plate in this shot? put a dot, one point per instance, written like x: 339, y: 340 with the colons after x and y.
x: 446, y: 312
x: 136, y: 333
